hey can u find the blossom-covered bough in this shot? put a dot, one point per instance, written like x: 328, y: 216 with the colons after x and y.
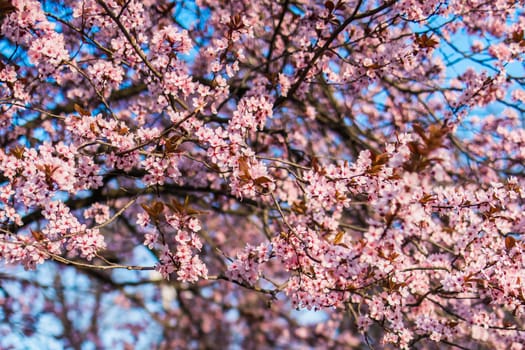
x: 186, y: 174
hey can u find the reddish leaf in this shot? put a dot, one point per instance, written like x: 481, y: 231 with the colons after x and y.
x: 123, y: 131
x: 262, y: 180
x: 424, y: 41
x: 380, y: 159
x: 154, y: 210
x: 510, y: 242
x: 81, y: 110
x: 427, y: 198
x: 517, y: 37
x: 420, y: 131
x: 37, y: 235
x: 17, y: 152
x: 244, y: 168
x: 339, y: 237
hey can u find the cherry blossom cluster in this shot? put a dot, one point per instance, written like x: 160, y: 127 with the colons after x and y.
x: 177, y: 227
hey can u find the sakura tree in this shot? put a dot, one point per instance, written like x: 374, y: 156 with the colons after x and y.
x: 200, y: 174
